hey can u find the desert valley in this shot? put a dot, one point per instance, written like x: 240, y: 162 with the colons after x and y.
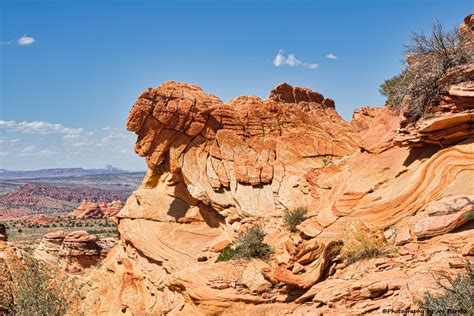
x: 255, y: 206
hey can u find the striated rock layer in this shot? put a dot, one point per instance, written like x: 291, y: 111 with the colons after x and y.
x: 449, y: 122
x: 215, y: 169
x: 73, y: 252
x: 88, y: 210
x: 449, y: 118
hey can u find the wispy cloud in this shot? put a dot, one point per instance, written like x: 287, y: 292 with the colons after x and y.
x: 55, y: 145
x: 291, y: 60
x: 37, y: 127
x: 31, y: 150
x: 331, y: 56
x: 25, y: 40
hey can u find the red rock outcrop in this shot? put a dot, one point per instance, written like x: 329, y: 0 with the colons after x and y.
x: 73, y: 252
x: 245, y: 154
x: 467, y: 26
x: 112, y: 208
x: 87, y: 210
x: 90, y: 210
x: 39, y: 219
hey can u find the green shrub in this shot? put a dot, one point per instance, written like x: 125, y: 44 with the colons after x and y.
x: 458, y: 296
x: 294, y: 217
x: 226, y: 254
x: 394, y: 89
x: 248, y: 245
x: 39, y: 290
x: 470, y: 216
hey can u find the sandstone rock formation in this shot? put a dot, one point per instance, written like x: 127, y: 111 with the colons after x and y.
x: 244, y: 155
x: 90, y: 210
x: 216, y: 168
x: 112, y: 208
x: 73, y: 252
x: 87, y: 210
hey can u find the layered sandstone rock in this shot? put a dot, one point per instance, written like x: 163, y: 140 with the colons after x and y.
x: 452, y: 120
x: 91, y: 210
x: 245, y: 154
x: 393, y: 282
x: 216, y: 169
x: 73, y: 252
x: 87, y: 210
x: 112, y: 208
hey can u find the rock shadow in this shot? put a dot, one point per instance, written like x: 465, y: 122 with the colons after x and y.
x: 420, y: 153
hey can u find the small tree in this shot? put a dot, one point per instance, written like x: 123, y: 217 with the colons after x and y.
x: 433, y: 55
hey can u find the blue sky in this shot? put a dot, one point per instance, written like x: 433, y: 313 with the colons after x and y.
x: 71, y: 70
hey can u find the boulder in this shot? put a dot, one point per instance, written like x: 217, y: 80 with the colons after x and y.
x: 444, y: 215
x: 88, y: 210
x: 253, y: 278
x: 73, y: 252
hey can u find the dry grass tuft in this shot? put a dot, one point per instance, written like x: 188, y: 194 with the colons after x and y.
x: 360, y: 243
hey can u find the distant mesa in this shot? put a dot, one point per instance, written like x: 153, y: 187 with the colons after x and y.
x: 56, y: 172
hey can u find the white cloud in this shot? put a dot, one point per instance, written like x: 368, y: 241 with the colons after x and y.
x: 27, y: 151
x: 331, y: 56
x: 20, y: 142
x: 26, y: 40
x: 72, y: 136
x: 31, y: 150
x: 281, y: 60
x: 38, y: 127
x: 45, y: 152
